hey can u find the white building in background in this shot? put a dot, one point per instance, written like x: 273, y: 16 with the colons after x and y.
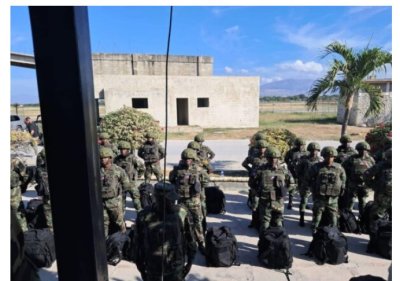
x: 195, y: 97
x: 361, y: 103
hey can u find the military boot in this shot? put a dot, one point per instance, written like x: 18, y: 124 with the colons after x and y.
x: 289, y: 206
x: 301, y: 223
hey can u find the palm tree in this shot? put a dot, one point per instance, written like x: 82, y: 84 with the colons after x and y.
x: 347, y: 76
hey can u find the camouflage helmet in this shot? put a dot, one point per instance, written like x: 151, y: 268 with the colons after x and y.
x: 106, y: 152
x: 166, y: 190
x: 194, y: 145
x: 388, y: 154
x: 273, y: 152
x: 259, y: 136
x: 299, y: 141
x: 189, y: 153
x: 149, y: 135
x: 199, y: 138
x: 104, y: 136
x: 313, y: 146
x: 363, y: 146
x: 345, y: 139
x: 261, y: 144
x: 329, y: 151
x: 124, y: 145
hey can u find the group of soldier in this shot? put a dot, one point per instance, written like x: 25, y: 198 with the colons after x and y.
x: 334, y: 180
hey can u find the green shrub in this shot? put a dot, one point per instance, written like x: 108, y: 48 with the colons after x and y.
x: 282, y: 139
x: 379, y: 136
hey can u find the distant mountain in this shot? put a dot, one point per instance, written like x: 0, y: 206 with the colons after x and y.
x: 287, y: 87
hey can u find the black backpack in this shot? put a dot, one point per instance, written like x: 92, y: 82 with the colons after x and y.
x: 215, y: 200
x: 34, y: 214
x: 384, y: 239
x: 117, y: 245
x: 274, y: 248
x: 221, y: 247
x: 146, y: 194
x: 348, y: 222
x: 365, y: 217
x: 367, y: 278
x: 40, y: 247
x: 328, y: 245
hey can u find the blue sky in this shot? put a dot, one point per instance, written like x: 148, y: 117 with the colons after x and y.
x: 282, y: 45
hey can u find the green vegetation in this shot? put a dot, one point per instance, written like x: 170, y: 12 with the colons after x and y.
x: 297, y: 98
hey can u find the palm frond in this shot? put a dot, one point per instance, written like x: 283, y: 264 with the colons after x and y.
x: 340, y: 49
x: 375, y: 99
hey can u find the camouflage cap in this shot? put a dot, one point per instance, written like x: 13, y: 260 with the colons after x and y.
x: 259, y: 136
x: 199, y: 138
x: 313, y: 146
x: 106, y: 152
x: 329, y: 151
x: 345, y: 139
x: 261, y: 144
x: 166, y: 190
x: 299, y: 141
x: 104, y: 136
x: 194, y: 145
x: 363, y: 146
x: 124, y: 145
x: 273, y: 152
x: 189, y: 153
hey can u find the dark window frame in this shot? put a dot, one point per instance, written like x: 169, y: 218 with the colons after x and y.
x: 141, y: 103
x: 203, y: 102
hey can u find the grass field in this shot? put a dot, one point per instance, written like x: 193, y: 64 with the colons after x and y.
x: 320, y: 125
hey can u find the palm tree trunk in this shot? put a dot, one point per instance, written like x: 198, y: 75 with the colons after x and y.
x: 348, y: 105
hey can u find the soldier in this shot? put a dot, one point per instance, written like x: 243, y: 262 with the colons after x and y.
x: 355, y: 166
x: 344, y: 150
x: 387, y: 143
x: 306, y: 161
x: 186, y: 177
x: 134, y: 169
x: 112, y: 179
x: 17, y: 178
x: 327, y: 181
x: 42, y: 180
x: 272, y: 180
x: 253, y: 149
x: 151, y: 152
x: 164, y: 242
x: 292, y: 158
x: 104, y: 140
x: 252, y: 164
x: 205, y: 153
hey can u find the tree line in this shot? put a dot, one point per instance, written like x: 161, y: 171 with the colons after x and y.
x: 298, y: 98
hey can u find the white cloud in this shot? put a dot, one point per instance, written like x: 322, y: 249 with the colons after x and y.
x: 267, y: 80
x: 232, y: 29
x: 299, y: 65
x: 228, y: 69
x: 244, y: 71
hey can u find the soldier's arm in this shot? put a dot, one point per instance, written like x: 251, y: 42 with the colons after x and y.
x: 211, y: 153
x: 204, y: 178
x: 161, y: 151
x: 290, y: 180
x: 246, y: 163
x: 172, y: 176
x: 343, y: 179
x: 370, y: 174
x: 141, y: 152
x: 139, y: 166
x: 309, y: 179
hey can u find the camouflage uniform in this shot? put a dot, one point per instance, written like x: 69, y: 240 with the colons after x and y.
x: 327, y: 183
x: 187, y: 182
x: 355, y: 166
x: 205, y: 153
x: 272, y: 181
x: 305, y: 162
x: 344, y: 150
x: 151, y: 152
x: 44, y: 190
x: 113, y: 178
x: 164, y: 238
x: 253, y: 150
x: 292, y: 158
x: 134, y: 169
x: 17, y: 177
x: 105, y: 139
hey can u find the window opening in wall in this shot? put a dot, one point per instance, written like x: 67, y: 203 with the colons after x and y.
x: 203, y: 102
x: 140, y: 103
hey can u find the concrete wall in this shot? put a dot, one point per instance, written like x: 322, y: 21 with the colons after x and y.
x: 137, y: 64
x: 233, y: 101
x: 360, y: 106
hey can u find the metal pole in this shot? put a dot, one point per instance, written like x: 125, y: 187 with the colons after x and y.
x: 65, y: 82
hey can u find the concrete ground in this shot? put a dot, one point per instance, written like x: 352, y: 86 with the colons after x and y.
x: 229, y: 155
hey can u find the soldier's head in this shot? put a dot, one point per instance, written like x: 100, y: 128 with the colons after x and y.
x: 199, y: 138
x: 124, y: 147
x: 261, y: 145
x: 345, y: 140
x: 300, y: 144
x: 188, y: 156
x: 329, y: 153
x: 273, y: 154
x: 387, y: 155
x: 313, y: 148
x: 28, y: 120
x: 106, y: 156
x: 165, y: 196
x: 194, y: 145
x: 259, y: 136
x: 362, y: 147
x: 149, y: 137
x: 103, y: 138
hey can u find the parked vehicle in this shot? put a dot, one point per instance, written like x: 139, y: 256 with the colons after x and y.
x: 17, y: 123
